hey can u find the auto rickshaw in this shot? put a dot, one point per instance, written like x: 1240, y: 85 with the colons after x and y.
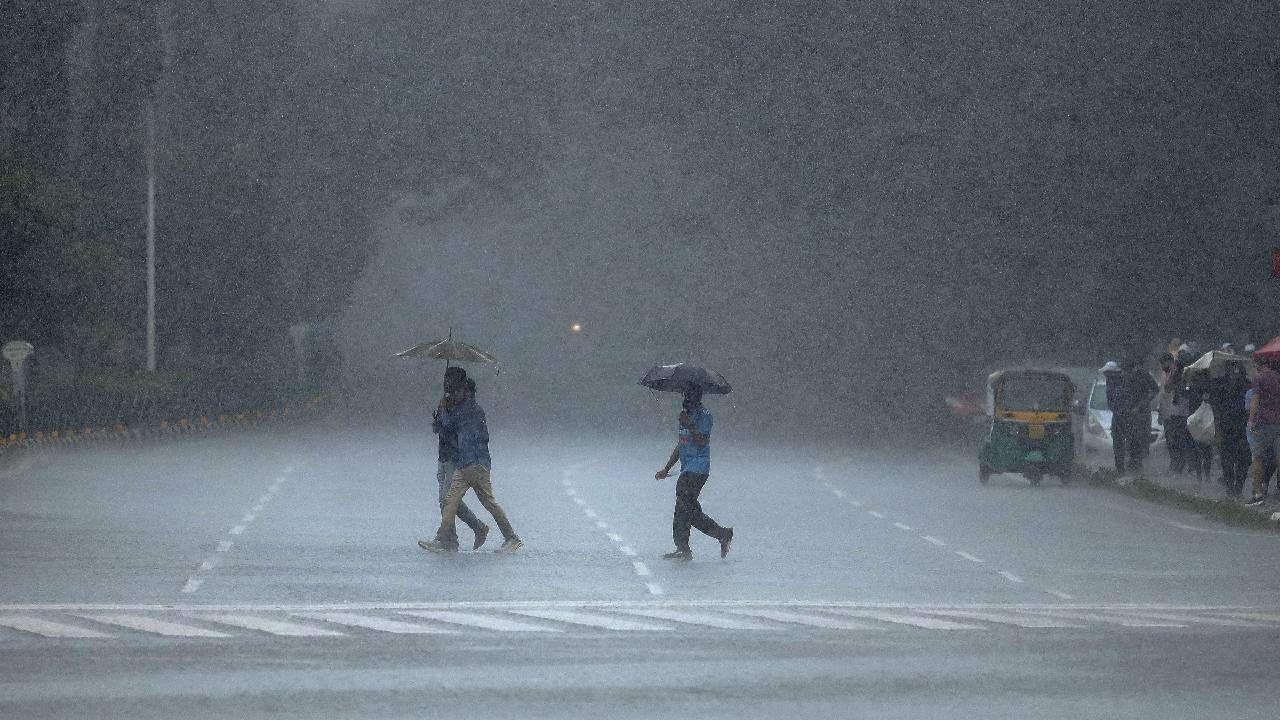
x: 1030, y: 425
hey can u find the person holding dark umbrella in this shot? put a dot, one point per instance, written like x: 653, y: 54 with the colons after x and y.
x: 457, y: 386
x: 693, y: 450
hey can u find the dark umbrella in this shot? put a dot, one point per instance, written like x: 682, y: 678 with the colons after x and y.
x: 449, y: 350
x: 679, y: 377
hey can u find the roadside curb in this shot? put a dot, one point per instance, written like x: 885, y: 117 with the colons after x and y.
x: 1227, y: 512
x: 166, y: 431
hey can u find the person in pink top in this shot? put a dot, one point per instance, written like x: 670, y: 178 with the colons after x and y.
x: 1264, y: 426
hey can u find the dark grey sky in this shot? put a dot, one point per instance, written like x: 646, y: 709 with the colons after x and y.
x: 853, y: 197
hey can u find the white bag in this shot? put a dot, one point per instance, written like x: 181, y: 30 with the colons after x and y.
x: 1200, y: 425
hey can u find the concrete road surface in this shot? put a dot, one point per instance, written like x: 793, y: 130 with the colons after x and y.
x: 280, y: 577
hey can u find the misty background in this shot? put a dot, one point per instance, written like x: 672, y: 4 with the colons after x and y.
x: 848, y: 209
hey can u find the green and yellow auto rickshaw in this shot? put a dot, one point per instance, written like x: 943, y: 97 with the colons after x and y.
x: 1030, y: 425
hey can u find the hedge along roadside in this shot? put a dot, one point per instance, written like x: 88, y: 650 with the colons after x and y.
x: 15, y: 444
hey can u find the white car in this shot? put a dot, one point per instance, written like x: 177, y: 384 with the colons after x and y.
x: 1097, y: 421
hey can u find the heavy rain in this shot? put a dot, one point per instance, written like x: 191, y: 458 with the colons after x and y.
x: 928, y: 269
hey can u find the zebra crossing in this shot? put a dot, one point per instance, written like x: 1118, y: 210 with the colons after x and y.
x: 92, y: 623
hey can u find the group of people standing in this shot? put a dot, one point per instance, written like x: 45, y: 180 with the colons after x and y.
x: 1245, y: 416
x: 464, y: 464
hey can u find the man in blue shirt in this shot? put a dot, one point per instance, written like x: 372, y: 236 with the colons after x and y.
x: 468, y: 421
x: 694, y: 453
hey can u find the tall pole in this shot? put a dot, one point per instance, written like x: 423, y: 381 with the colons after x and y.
x: 151, y: 235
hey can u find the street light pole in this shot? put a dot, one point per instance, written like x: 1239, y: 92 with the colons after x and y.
x: 151, y: 235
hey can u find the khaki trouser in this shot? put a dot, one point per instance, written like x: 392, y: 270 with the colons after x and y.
x: 471, y: 477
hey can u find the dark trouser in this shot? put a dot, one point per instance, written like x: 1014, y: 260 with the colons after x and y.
x: 1178, y: 439
x: 689, y: 511
x: 1234, y: 455
x: 1129, y: 440
x: 1200, y: 456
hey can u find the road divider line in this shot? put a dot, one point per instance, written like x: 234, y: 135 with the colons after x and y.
x: 153, y: 625
x: 224, y: 545
x: 969, y: 557
x: 209, y: 564
x: 237, y: 530
x: 626, y: 550
x: 614, y: 537
x: 654, y: 588
x: 1010, y: 576
x: 48, y: 628
x: 1059, y: 594
x: 268, y: 625
x: 932, y: 539
x: 376, y: 623
x: 902, y: 526
x: 875, y: 514
x: 590, y: 513
x: 641, y: 569
x: 605, y: 622
x: 477, y: 620
x: 192, y: 585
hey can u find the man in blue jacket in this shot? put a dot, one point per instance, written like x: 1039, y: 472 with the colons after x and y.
x: 468, y: 421
x: 448, y: 453
x: 694, y: 453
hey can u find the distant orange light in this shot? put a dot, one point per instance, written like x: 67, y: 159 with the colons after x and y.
x: 575, y: 328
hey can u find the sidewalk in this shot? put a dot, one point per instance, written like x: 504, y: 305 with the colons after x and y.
x: 1156, y: 470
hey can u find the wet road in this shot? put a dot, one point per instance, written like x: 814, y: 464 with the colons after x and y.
x: 280, y: 576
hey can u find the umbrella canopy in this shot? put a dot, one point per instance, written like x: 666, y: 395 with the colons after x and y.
x: 451, y: 351
x: 1269, y: 352
x: 679, y: 377
x: 1216, y: 362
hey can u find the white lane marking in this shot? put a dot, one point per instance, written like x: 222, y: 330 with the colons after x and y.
x: 856, y: 503
x: 969, y: 557
x: 1059, y: 594
x: 580, y: 501
x: 641, y: 569
x: 614, y: 537
x: 1010, y: 576
x: 237, y: 530
x: 1104, y: 618
x: 258, y: 508
x: 896, y: 618
x: 934, y: 540
x: 795, y: 618
x: 376, y: 623
x: 47, y: 628
x: 192, y: 585
x: 697, y: 618
x: 838, y: 492
x: 602, y: 525
x: 654, y: 588
x: 607, y: 622
x: 1255, y: 616
x: 1004, y: 618
x: 248, y: 518
x: 224, y: 545
x: 902, y: 526
x: 590, y: 513
x: 152, y: 625
x: 264, y: 499
x: 209, y: 564
x: 268, y: 625
x: 476, y: 620
x: 1183, y: 618
x: 626, y: 550
x: 875, y: 514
